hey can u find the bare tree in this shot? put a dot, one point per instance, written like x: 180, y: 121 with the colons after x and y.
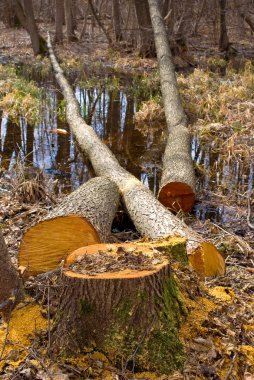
x: 59, y: 20
x: 223, y: 40
x: 117, y: 20
x: 146, y: 39
x: 25, y: 13
x: 70, y: 25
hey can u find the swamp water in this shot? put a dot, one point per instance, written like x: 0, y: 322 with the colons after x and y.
x: 111, y: 114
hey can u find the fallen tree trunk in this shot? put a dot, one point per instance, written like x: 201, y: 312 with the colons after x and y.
x: 150, y: 217
x: 84, y: 217
x: 131, y: 309
x: 10, y: 283
x: 177, y: 188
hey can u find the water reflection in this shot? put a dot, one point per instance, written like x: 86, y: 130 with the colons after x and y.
x: 111, y: 115
x: 111, y: 112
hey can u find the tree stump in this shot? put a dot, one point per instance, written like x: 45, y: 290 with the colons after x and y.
x: 84, y: 217
x: 132, y: 314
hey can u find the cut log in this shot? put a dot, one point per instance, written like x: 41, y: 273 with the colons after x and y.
x: 10, y: 283
x: 150, y: 217
x: 132, y: 315
x: 84, y: 217
x: 177, y: 188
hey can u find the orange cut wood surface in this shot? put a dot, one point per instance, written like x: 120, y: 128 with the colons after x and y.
x: 177, y: 196
x: 46, y: 244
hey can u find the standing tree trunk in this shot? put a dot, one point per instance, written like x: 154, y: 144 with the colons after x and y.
x: 70, y: 27
x: 223, y: 40
x: 10, y: 283
x: 84, y: 217
x: 117, y: 20
x: 146, y: 38
x: 150, y: 217
x: 177, y: 189
x: 25, y: 15
x: 59, y: 20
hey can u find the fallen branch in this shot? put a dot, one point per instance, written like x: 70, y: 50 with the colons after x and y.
x: 150, y: 217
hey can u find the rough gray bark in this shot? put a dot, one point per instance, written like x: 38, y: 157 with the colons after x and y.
x: 10, y: 283
x: 150, y: 217
x: 178, y: 178
x: 96, y: 202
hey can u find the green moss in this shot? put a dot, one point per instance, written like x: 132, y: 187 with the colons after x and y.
x: 155, y: 345
x: 85, y: 307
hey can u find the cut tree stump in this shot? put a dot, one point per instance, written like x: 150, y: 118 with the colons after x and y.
x: 149, y: 216
x: 132, y: 315
x: 177, y: 187
x: 84, y: 217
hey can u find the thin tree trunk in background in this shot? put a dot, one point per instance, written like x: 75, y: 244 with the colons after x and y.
x: 59, y: 20
x: 97, y: 18
x: 10, y: 284
x: 198, y: 18
x: 83, y: 30
x: 223, y: 40
x: 69, y: 21
x: 146, y: 43
x: 25, y: 15
x: 177, y: 189
x: 117, y: 20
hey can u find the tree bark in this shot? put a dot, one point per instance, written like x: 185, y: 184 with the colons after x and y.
x: 10, y: 284
x: 223, y: 40
x: 132, y: 315
x: 97, y: 18
x: 150, y: 217
x: 146, y: 43
x: 59, y: 20
x: 177, y: 189
x: 69, y: 21
x: 84, y: 217
x: 117, y: 20
x: 25, y: 15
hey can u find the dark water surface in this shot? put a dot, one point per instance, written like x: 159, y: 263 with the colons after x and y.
x: 111, y: 113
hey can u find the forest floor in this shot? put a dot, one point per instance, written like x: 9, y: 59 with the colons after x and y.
x: 219, y: 331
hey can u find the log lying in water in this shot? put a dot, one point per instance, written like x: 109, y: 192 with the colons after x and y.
x: 150, y: 217
x: 10, y: 284
x: 131, y: 314
x: 84, y: 217
x: 177, y: 188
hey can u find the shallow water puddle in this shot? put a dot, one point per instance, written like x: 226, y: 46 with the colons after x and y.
x: 111, y: 113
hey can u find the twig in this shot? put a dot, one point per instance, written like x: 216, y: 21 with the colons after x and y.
x: 132, y: 356
x: 49, y: 326
x: 251, y: 225
x: 5, y: 339
x: 231, y: 367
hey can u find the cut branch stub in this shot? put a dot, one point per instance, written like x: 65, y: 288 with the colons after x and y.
x: 133, y: 315
x: 82, y: 218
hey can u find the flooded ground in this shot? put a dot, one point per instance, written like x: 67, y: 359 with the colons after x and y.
x: 111, y: 114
